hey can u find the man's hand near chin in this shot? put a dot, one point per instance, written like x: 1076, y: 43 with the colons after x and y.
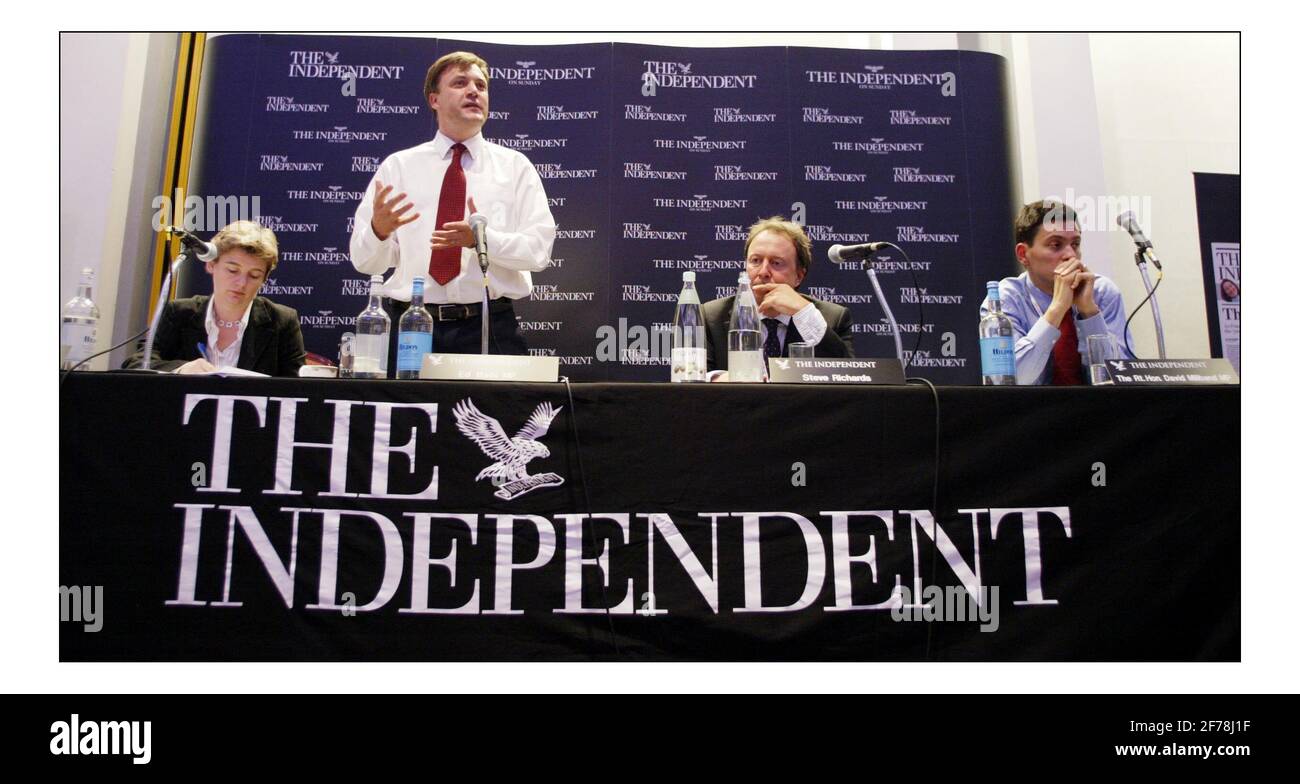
x: 776, y: 299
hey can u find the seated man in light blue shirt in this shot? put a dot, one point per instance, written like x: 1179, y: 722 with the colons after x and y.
x: 1057, y: 302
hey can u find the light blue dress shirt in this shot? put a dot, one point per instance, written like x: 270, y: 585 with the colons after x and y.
x: 1024, y: 304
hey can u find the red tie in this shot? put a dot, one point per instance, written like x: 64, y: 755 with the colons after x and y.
x: 1067, y: 365
x: 444, y: 263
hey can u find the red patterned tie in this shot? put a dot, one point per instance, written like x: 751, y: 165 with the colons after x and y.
x: 444, y: 263
x: 1067, y: 365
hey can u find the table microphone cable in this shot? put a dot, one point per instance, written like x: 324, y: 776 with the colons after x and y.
x: 1160, y: 276
x: 934, y: 501
x: 934, y: 393
x: 586, y: 496
x: 69, y: 371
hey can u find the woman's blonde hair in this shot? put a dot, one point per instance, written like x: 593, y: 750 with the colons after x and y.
x: 251, y: 237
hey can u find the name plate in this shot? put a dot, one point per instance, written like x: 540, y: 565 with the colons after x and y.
x: 1139, y: 372
x: 492, y: 367
x: 835, y: 371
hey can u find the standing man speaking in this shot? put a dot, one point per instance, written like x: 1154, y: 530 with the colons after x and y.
x: 415, y: 217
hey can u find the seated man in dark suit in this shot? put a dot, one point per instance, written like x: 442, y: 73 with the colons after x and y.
x: 777, y: 256
x: 235, y: 327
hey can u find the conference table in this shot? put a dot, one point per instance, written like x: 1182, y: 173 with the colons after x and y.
x: 329, y: 519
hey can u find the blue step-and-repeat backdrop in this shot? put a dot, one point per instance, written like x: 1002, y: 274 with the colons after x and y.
x: 655, y: 160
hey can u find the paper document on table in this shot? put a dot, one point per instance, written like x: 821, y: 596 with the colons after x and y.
x: 231, y: 371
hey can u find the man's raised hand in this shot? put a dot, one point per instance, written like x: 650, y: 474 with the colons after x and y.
x: 389, y: 214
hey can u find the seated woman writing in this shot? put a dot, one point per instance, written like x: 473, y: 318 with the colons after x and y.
x: 234, y: 327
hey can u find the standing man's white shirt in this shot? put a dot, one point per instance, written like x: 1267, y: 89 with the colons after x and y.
x: 506, y: 189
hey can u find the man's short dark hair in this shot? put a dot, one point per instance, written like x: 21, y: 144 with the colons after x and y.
x: 1033, y: 215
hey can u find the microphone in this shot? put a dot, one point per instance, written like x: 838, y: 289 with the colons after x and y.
x: 842, y: 253
x: 1128, y: 222
x: 478, y: 225
x: 203, y: 251
x: 193, y: 246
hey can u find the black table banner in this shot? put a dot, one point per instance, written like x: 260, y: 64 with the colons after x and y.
x: 213, y: 519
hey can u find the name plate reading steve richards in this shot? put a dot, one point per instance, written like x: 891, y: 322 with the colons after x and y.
x: 835, y: 371
x: 1135, y: 372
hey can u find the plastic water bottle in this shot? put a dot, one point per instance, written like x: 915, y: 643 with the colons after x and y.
x: 745, y: 338
x: 689, y: 356
x: 79, y: 324
x: 370, y: 355
x: 997, y: 343
x: 414, y: 333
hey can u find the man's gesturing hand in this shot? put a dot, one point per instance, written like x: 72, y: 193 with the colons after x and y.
x: 388, y: 213
x: 454, y: 234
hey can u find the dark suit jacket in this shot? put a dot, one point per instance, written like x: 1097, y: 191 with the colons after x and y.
x: 272, y: 341
x: 837, y: 342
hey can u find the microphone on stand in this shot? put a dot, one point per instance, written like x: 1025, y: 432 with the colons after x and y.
x: 844, y: 253
x: 203, y: 251
x: 1145, y: 252
x: 1128, y: 222
x: 478, y: 225
x: 193, y: 247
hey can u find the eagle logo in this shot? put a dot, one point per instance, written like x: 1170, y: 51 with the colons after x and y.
x: 512, y: 455
x: 525, y: 63
x: 783, y: 364
x: 333, y: 57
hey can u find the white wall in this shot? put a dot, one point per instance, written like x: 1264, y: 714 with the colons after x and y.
x: 1168, y: 105
x: 115, y: 103
x: 92, y: 85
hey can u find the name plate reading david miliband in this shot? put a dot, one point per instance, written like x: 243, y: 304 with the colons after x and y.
x: 1137, y: 372
x: 835, y: 371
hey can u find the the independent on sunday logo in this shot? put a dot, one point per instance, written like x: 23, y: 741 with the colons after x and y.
x: 512, y: 455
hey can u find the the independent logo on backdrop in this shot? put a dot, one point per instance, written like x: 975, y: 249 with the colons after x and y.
x: 652, y: 158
